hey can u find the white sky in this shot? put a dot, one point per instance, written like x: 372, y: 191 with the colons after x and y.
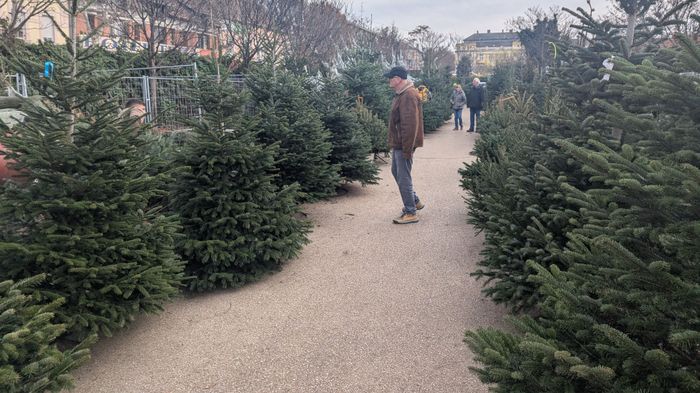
x: 460, y: 17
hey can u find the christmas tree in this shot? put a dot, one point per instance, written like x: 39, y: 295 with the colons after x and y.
x: 619, y: 311
x: 526, y: 178
x: 237, y: 223
x: 363, y: 78
x: 29, y: 358
x: 438, y: 109
x: 516, y: 200
x: 351, y: 146
x: 375, y: 129
x: 287, y: 118
x: 81, y: 215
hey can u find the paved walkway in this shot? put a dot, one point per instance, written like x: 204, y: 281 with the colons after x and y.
x: 369, y: 306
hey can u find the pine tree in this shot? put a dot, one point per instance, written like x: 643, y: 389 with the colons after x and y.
x: 438, y: 109
x: 374, y: 127
x: 351, y: 146
x: 363, y: 78
x: 287, y: 118
x: 624, y: 315
x: 517, y: 201
x: 526, y: 212
x: 82, y: 215
x: 237, y: 224
x: 464, y: 69
x: 29, y: 358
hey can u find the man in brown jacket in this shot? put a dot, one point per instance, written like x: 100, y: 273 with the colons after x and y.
x: 405, y: 135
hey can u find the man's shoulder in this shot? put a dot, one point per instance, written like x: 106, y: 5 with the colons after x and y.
x: 412, y: 92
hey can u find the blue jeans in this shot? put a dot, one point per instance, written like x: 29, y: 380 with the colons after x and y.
x: 401, y: 169
x: 473, y: 113
x: 458, y: 117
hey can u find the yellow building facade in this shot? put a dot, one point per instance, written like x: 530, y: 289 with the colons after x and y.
x: 40, y: 27
x: 488, y: 49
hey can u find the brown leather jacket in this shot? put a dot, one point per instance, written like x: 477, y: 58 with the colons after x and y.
x: 406, y: 121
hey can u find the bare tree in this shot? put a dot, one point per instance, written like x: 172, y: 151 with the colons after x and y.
x: 650, y: 22
x: 680, y: 10
x: 252, y: 26
x: 432, y: 47
x: 389, y: 43
x: 538, y: 31
x: 158, y: 25
x: 19, y: 12
x: 318, y: 32
x: 534, y: 15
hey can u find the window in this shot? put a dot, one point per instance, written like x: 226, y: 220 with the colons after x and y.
x: 136, y: 28
x: 203, y: 41
x: 184, y: 39
x: 47, y: 29
x: 115, y: 30
x: 92, y: 22
x: 159, y: 33
x: 22, y: 32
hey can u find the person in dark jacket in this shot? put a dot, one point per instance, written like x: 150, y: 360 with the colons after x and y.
x: 476, y: 102
x: 405, y: 135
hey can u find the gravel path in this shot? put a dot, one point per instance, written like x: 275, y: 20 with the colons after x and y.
x: 369, y: 306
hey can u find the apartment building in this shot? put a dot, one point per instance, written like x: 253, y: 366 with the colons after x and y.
x: 39, y: 27
x: 113, y: 31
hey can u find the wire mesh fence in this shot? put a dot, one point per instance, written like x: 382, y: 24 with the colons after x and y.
x: 167, y: 93
x: 16, y: 85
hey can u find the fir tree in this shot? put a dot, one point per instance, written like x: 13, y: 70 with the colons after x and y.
x: 288, y: 119
x: 82, y: 214
x: 29, y: 358
x: 364, y: 79
x: 624, y: 315
x: 374, y: 127
x: 464, y: 69
x: 237, y: 224
x: 438, y: 109
x: 528, y: 205
x: 517, y: 201
x: 351, y: 146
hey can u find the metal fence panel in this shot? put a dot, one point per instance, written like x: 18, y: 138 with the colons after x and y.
x: 16, y: 85
x: 170, y: 100
x: 173, y: 102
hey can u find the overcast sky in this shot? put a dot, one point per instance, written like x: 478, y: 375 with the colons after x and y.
x: 460, y: 17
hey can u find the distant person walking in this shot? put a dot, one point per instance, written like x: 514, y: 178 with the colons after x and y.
x: 458, y: 100
x: 476, y: 101
x: 405, y: 135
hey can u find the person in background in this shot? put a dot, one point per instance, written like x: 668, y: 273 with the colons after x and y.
x: 405, y: 135
x: 458, y: 100
x: 135, y: 108
x: 476, y: 101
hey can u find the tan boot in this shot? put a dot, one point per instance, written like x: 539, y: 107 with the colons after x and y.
x: 420, y: 206
x: 406, y: 219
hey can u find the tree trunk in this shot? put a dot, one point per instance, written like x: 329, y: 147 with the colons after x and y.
x: 631, y: 27
x: 72, y: 37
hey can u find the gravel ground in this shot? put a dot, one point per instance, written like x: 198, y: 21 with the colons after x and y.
x: 369, y: 306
